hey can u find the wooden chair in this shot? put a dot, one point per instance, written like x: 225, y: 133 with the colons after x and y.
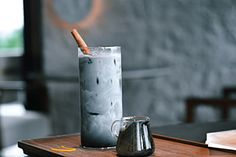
x: 223, y: 103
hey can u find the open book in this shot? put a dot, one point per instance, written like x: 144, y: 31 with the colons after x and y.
x: 222, y: 139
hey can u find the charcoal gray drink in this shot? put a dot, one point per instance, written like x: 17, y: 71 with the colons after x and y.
x: 100, y: 95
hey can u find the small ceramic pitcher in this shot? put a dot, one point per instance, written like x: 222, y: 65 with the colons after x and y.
x: 134, y: 136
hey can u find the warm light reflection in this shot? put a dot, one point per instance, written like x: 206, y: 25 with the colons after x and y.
x: 93, y: 16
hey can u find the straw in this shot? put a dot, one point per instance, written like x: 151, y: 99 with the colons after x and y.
x: 79, y: 40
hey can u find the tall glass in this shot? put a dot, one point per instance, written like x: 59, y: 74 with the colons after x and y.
x: 100, y: 95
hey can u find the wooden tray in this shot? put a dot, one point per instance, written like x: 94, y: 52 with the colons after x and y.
x: 165, y: 146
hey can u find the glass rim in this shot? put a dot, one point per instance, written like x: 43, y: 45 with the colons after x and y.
x: 136, y: 118
x: 102, y: 48
x: 97, y: 51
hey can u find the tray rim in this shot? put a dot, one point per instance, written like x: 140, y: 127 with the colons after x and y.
x: 24, y: 144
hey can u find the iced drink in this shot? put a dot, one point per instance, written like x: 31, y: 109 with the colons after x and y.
x: 100, y: 95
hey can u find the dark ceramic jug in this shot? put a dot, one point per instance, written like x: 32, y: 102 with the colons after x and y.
x: 134, y: 136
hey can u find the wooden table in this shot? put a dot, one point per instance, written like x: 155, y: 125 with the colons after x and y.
x: 223, y: 103
x: 165, y: 146
x: 171, y: 141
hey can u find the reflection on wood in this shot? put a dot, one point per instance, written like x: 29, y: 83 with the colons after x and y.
x: 92, y: 17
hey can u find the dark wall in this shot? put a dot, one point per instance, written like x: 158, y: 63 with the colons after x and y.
x: 171, y: 49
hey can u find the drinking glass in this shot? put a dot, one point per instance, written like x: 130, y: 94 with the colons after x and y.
x: 100, y: 95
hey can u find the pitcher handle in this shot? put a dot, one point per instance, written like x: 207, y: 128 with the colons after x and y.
x: 115, y: 128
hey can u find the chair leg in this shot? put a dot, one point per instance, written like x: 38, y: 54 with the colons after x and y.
x: 225, y: 111
x: 189, y: 112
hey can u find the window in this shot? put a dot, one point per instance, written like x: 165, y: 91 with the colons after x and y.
x: 11, y: 27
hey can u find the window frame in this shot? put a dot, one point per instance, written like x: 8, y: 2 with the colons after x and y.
x: 32, y: 73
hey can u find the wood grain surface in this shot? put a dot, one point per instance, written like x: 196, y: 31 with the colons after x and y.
x: 165, y: 146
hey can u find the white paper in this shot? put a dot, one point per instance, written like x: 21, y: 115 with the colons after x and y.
x: 222, y: 139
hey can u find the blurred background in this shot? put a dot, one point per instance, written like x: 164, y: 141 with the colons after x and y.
x: 178, y: 61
